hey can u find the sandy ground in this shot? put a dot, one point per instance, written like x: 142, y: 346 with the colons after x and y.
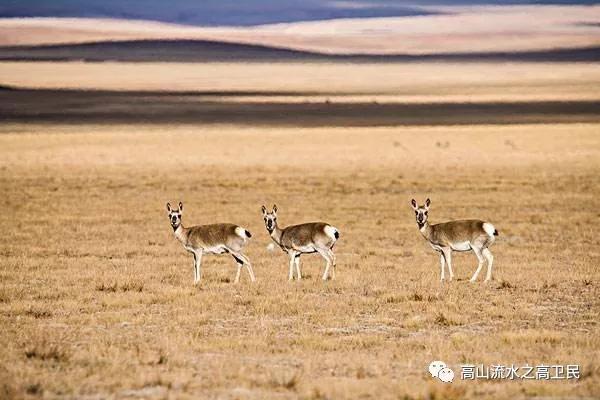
x: 97, y: 300
x: 394, y: 82
x: 459, y: 29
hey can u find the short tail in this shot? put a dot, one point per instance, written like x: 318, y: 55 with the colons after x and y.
x: 495, y: 232
x: 250, y: 235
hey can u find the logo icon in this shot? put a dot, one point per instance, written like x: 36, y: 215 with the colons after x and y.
x: 446, y: 375
x: 438, y: 369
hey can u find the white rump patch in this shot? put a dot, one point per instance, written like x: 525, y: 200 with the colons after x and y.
x: 241, y: 232
x: 330, y: 231
x: 489, y: 229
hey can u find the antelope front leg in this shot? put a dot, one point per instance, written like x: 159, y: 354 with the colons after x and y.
x: 442, y: 265
x: 448, y: 257
x: 197, y: 264
x: 195, y: 268
x: 292, y: 263
x: 297, y: 261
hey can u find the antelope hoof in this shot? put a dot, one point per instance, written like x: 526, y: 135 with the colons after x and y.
x: 472, y: 280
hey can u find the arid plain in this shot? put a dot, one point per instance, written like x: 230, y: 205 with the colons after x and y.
x: 96, y: 295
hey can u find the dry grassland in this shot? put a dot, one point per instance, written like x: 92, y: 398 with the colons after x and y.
x: 97, y: 301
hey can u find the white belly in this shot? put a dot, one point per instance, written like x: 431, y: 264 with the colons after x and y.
x: 215, y: 250
x: 461, y: 246
x: 305, y: 249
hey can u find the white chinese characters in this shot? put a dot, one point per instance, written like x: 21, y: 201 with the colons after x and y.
x: 512, y: 372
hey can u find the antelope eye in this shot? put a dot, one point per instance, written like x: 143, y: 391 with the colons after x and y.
x: 426, y: 212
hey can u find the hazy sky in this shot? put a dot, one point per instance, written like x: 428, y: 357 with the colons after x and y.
x: 233, y: 12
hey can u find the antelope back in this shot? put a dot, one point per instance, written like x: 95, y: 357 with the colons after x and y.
x: 312, y: 233
x: 457, y: 231
x: 216, y: 235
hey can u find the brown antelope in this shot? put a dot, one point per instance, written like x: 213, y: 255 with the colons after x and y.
x: 211, y: 239
x: 312, y: 237
x: 462, y: 235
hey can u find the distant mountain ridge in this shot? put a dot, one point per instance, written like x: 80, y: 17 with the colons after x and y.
x: 214, y: 51
x: 236, y: 13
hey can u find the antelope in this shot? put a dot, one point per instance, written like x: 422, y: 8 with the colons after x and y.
x: 295, y: 240
x: 211, y: 239
x: 460, y: 235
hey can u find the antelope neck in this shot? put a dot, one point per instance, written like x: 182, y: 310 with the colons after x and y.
x: 180, y: 233
x: 275, y: 233
x: 424, y: 228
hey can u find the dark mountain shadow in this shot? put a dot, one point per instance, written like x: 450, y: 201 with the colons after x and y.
x: 209, y: 51
x: 107, y: 107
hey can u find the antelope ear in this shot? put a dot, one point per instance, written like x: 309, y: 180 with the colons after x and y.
x: 180, y: 206
x: 427, y: 203
x: 274, y: 208
x: 169, y: 207
x: 264, y: 210
x: 413, y: 202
